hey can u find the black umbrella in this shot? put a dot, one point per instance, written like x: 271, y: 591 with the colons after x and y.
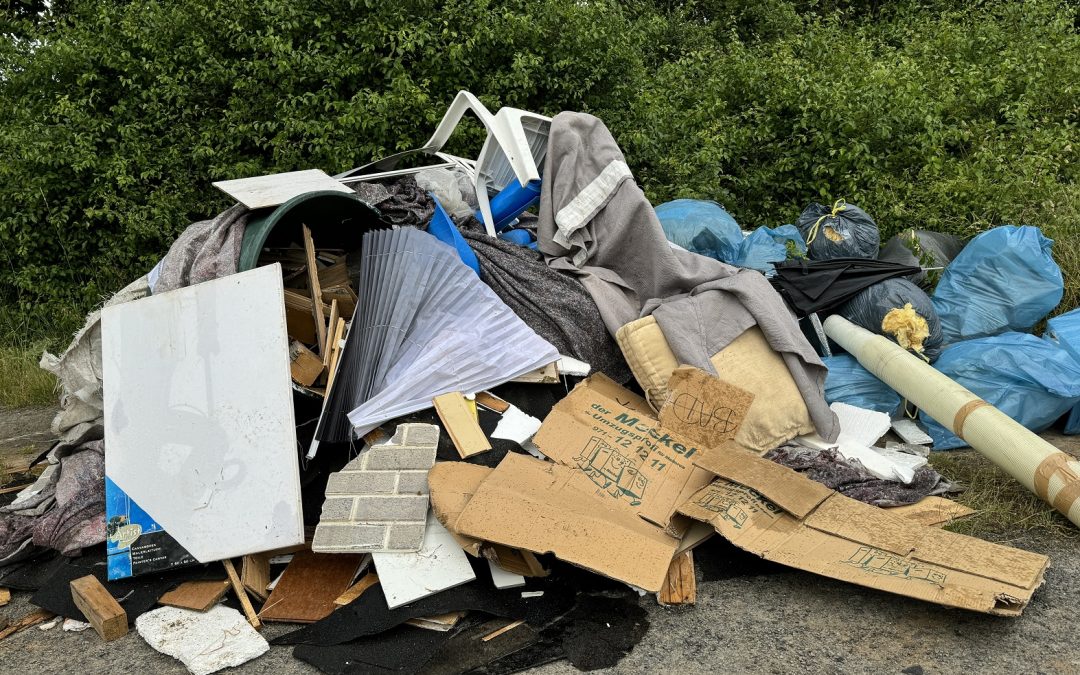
x: 811, y: 286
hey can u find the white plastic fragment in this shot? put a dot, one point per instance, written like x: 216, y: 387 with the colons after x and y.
x: 49, y: 625
x: 75, y: 626
x: 205, y: 642
x: 504, y: 579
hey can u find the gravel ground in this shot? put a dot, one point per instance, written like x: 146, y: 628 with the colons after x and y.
x: 787, y: 622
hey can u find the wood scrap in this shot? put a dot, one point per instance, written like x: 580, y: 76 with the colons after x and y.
x: 304, y: 366
x: 549, y: 374
x: 333, y: 326
x: 31, y: 618
x: 345, y: 296
x: 198, y: 596
x: 680, y: 587
x: 100, y: 608
x: 514, y: 560
x: 316, y: 290
x: 357, y: 589
x: 241, y: 595
x: 310, y: 584
x: 334, y: 275
x: 492, y: 402
x: 335, y: 354
x: 460, y: 422
x: 15, y: 488
x: 5, y: 596
x: 510, y: 626
x: 439, y: 622
x: 255, y: 574
x: 299, y: 317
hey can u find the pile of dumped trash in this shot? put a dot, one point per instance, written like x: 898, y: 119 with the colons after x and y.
x: 450, y: 414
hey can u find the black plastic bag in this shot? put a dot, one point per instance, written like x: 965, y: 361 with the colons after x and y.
x: 924, y: 249
x: 843, y: 231
x: 916, y: 328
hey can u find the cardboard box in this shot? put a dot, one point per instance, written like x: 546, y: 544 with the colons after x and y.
x: 785, y: 517
x: 544, y: 507
x: 609, y: 435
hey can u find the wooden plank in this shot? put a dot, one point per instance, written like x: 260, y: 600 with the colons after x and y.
x: 31, y: 618
x: 680, y: 587
x: 515, y: 560
x: 275, y: 189
x: 15, y: 488
x: 304, y: 366
x: 310, y: 584
x: 255, y: 574
x: 316, y: 290
x: 333, y: 326
x: 460, y: 422
x: 5, y: 596
x: 549, y: 374
x: 241, y: 595
x: 199, y: 596
x: 334, y: 275
x: 439, y: 622
x: 99, y: 607
x: 335, y: 354
x: 492, y: 402
x: 357, y: 589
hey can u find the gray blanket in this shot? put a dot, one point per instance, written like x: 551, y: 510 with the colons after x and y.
x: 596, y: 223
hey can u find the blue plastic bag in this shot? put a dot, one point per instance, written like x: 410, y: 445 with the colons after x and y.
x: 767, y: 245
x: 1064, y: 331
x: 1004, y: 280
x: 1031, y: 380
x: 701, y: 227
x: 848, y: 382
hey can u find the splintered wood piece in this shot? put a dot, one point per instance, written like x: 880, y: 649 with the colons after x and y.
x: 491, y: 401
x: 334, y: 275
x: 310, y: 584
x: 241, y: 595
x: 316, y: 290
x: 335, y: 353
x: 5, y: 596
x: 333, y: 327
x: 198, y: 596
x: 680, y: 587
x: 25, y: 621
x: 510, y: 626
x: 357, y: 589
x: 255, y: 574
x: 304, y: 366
x: 100, y: 608
x: 461, y: 424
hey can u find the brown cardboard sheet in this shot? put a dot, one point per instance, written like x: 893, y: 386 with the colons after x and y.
x: 544, y: 507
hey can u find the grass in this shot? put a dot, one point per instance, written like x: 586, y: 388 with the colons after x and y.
x: 1004, y: 508
x: 22, y: 382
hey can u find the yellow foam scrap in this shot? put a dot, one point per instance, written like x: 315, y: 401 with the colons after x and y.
x: 907, y: 327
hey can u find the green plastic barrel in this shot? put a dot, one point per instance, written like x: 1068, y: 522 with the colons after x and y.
x: 336, y: 220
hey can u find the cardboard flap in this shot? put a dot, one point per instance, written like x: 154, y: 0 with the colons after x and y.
x: 1014, y: 566
x: 602, y: 385
x: 451, y: 486
x: 791, y: 491
x: 703, y: 408
x: 548, y: 508
x: 854, y: 520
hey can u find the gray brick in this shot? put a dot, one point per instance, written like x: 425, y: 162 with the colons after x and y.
x: 337, y: 508
x: 413, y: 482
x: 360, y: 483
x: 420, y: 434
x: 405, y: 537
x: 397, y: 457
x: 388, y: 508
x: 348, y: 538
x: 355, y: 464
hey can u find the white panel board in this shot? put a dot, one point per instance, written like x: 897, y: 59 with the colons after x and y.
x: 438, y: 565
x: 199, y: 427
x: 277, y: 188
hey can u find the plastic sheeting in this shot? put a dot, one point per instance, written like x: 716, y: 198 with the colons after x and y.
x: 1029, y: 379
x: 848, y: 382
x: 1004, y: 280
x: 1064, y: 331
x: 766, y: 245
x: 702, y: 227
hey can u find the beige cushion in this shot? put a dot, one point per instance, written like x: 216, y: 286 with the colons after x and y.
x: 778, y: 413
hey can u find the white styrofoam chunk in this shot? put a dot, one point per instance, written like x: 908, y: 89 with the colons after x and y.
x: 516, y: 425
x: 205, y: 642
x: 199, y: 414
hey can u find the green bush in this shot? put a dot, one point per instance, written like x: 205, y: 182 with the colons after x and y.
x: 115, y: 117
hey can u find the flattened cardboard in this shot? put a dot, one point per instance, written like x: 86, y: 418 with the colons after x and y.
x: 847, y: 540
x: 933, y: 511
x: 548, y: 508
x: 703, y: 408
x: 608, y: 435
x: 452, y: 485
